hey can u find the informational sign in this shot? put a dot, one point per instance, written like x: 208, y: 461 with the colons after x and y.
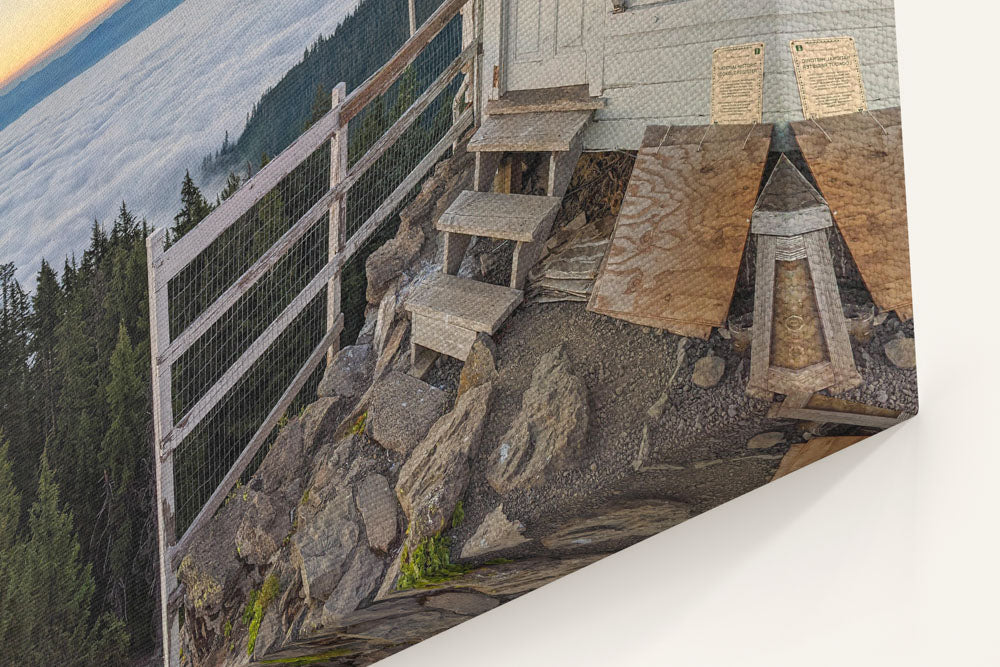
x: 738, y: 84
x: 829, y: 76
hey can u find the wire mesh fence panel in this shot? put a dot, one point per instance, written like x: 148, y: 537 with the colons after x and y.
x: 366, y: 199
x: 209, y: 452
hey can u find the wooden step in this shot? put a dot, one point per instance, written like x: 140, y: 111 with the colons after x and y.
x: 500, y: 216
x: 563, y: 98
x: 470, y: 304
x: 530, y: 132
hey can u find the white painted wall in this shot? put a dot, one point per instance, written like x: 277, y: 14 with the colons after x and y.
x: 653, y: 62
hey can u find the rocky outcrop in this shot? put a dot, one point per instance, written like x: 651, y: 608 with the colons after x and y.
x: 327, y: 534
x: 618, y: 526
x: 416, y: 222
x: 349, y: 374
x: 329, y: 547
x: 360, y: 579
x: 263, y: 528
x: 402, y: 410
x: 378, y: 630
x: 435, y: 476
x: 377, y: 504
x: 480, y: 366
x: 495, y: 533
x: 549, y: 431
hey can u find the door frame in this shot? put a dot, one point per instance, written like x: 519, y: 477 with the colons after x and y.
x: 497, y: 24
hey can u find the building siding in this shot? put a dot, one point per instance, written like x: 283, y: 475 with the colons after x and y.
x: 653, y: 62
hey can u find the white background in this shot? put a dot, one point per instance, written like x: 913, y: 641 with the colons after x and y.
x: 885, y: 554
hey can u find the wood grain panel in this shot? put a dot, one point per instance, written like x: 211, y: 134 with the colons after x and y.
x: 679, y: 237
x: 803, y: 454
x: 858, y: 166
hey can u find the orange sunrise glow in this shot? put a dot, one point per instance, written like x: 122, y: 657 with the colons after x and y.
x: 30, y: 30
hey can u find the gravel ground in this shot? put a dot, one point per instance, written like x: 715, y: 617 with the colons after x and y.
x: 697, y: 448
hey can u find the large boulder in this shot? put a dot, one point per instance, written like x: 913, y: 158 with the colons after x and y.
x: 402, y: 410
x: 495, y: 533
x: 480, y: 366
x: 283, y: 468
x: 618, y: 525
x: 327, y: 533
x: 435, y: 476
x: 348, y: 374
x: 377, y: 505
x: 548, y: 432
x: 320, y: 420
x: 263, y: 528
x: 385, y: 264
x: 360, y: 580
x: 211, y: 570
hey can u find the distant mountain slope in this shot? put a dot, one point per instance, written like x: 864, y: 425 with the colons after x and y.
x: 131, y: 19
x: 359, y: 46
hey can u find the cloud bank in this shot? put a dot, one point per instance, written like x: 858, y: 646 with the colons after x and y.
x: 128, y: 128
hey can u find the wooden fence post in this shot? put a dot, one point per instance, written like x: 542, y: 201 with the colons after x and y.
x: 338, y: 218
x: 413, y: 17
x: 159, y: 338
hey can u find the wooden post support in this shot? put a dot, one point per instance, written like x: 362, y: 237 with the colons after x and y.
x: 338, y: 218
x: 477, y: 62
x: 413, y: 17
x: 163, y: 421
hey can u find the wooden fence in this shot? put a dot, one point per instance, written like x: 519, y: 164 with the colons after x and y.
x: 167, y: 263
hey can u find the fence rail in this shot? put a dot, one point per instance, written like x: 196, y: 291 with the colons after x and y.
x: 246, y: 291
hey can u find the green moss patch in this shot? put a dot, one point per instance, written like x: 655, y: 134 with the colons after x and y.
x: 428, y: 564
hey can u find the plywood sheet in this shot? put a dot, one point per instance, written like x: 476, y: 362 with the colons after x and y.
x: 806, y: 453
x: 679, y: 238
x: 857, y: 160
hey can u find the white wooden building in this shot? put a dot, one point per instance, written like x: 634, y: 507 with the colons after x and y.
x: 652, y: 59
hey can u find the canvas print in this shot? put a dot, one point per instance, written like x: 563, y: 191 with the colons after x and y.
x: 328, y: 325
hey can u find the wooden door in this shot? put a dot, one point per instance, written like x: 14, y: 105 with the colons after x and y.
x: 546, y: 43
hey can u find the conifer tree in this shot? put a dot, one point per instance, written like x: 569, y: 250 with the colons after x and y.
x: 81, y: 410
x: 10, y: 509
x: 233, y: 184
x: 124, y: 457
x: 46, y: 618
x: 194, y: 209
x: 15, y: 388
x: 321, y: 103
x: 47, y: 305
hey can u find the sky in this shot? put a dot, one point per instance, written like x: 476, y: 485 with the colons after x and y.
x: 128, y: 127
x: 32, y: 30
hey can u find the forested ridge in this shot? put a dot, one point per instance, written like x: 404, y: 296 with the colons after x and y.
x: 360, y: 45
x: 77, y: 522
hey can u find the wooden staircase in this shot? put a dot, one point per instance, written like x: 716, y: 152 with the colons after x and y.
x: 449, y: 312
